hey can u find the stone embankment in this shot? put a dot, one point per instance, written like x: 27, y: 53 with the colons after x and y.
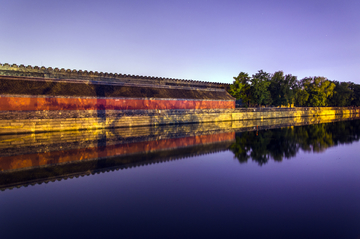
x: 39, y: 121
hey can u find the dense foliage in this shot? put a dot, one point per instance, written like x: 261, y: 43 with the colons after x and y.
x: 279, y: 89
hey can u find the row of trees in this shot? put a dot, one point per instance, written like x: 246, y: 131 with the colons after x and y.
x: 279, y: 89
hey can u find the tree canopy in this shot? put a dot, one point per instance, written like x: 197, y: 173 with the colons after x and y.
x: 279, y: 89
x: 240, y: 89
x: 260, y: 94
x: 320, y: 90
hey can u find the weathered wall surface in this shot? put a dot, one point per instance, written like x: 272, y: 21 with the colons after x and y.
x: 44, y: 89
x: 39, y: 121
x: 29, y: 103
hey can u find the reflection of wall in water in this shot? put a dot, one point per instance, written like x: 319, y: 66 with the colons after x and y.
x: 36, y: 157
x: 76, y: 155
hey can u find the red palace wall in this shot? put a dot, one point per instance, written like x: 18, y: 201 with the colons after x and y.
x: 67, y: 99
x: 42, y: 103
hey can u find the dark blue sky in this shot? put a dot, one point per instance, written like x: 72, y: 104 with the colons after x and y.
x: 200, y: 40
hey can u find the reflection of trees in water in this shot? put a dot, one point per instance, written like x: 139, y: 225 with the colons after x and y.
x: 283, y: 143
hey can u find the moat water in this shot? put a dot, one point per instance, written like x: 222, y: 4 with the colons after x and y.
x: 194, y: 181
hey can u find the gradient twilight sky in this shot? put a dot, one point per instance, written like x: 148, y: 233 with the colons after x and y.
x: 198, y: 39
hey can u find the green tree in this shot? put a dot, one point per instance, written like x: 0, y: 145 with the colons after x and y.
x: 240, y: 88
x: 260, y: 94
x: 356, y: 94
x: 289, y: 89
x: 275, y: 88
x: 319, y: 89
x: 301, y: 97
x: 343, y: 94
x: 283, y: 88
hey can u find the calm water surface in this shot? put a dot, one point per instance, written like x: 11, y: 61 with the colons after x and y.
x: 290, y: 182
